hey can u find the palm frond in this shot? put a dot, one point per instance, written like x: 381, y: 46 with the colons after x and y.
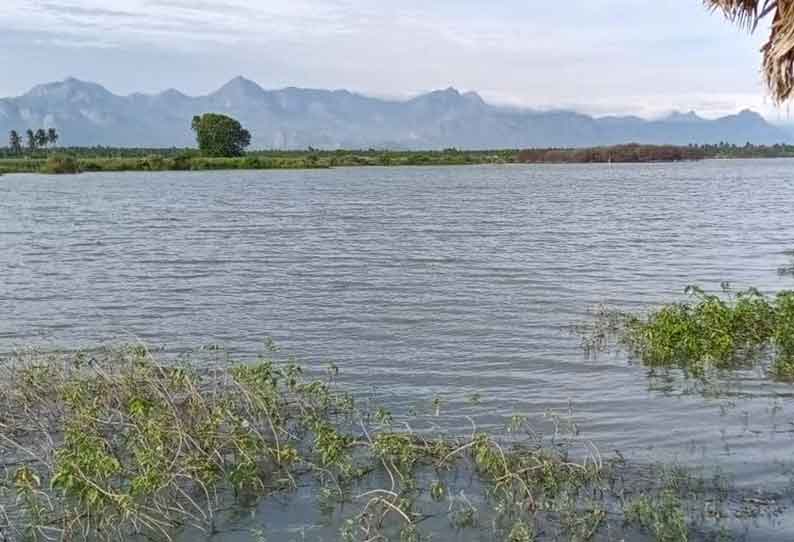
x: 778, y: 63
x: 743, y: 12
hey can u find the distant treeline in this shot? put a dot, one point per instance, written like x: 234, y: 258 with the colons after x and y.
x: 184, y: 159
x: 652, y: 153
x: 618, y: 153
x: 128, y: 159
x: 725, y: 150
x: 100, y: 152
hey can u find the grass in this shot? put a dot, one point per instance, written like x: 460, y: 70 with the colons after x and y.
x: 21, y: 165
x: 110, y: 444
x: 711, y: 332
x: 190, y: 161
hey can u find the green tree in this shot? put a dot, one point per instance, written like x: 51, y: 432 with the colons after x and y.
x: 52, y: 136
x: 30, y: 139
x: 41, y: 138
x: 219, y: 135
x: 15, y: 142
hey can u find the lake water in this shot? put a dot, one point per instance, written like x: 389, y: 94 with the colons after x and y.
x: 421, y: 283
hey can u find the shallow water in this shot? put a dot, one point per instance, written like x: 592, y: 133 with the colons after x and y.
x: 421, y: 283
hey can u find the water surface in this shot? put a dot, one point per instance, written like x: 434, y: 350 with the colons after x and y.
x: 420, y: 283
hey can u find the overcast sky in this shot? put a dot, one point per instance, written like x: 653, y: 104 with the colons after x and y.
x: 643, y: 57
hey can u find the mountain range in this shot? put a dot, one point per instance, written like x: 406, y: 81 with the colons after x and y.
x: 87, y: 114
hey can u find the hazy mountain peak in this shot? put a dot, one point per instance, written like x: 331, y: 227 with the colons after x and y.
x: 678, y: 116
x: 449, y: 92
x: 475, y: 98
x: 60, y: 94
x: 240, y: 87
x: 68, y: 85
x: 448, y: 97
x: 172, y: 93
x: 750, y: 114
x: 87, y: 114
x: 241, y: 80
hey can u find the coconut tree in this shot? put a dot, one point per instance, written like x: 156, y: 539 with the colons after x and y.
x: 41, y: 138
x: 779, y: 49
x: 15, y: 142
x: 52, y: 136
x: 30, y: 139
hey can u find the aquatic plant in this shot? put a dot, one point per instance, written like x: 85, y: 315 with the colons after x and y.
x: 722, y: 332
x: 663, y: 516
x: 112, y: 443
x: 787, y: 270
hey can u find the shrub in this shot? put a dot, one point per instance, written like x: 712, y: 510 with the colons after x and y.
x: 155, y: 163
x: 61, y: 165
x: 713, y: 332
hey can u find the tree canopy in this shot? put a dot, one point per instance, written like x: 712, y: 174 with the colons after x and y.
x: 219, y: 135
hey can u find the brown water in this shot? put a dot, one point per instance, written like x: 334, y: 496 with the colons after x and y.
x: 421, y: 283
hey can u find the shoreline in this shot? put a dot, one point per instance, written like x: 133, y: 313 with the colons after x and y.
x: 79, y: 160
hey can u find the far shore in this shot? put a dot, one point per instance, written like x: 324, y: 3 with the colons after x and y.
x: 136, y: 159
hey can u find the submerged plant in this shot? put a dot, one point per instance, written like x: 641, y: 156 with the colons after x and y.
x: 663, y: 516
x: 787, y: 270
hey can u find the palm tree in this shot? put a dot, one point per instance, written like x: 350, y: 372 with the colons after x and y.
x: 14, y: 142
x: 30, y: 139
x: 779, y: 49
x: 41, y: 138
x: 52, y: 136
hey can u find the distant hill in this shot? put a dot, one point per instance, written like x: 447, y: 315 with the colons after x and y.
x: 87, y: 114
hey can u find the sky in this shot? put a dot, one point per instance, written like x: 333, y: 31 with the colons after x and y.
x: 643, y: 57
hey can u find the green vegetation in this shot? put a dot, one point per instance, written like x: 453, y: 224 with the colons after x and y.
x: 662, y: 515
x: 220, y: 136
x: 726, y: 150
x: 111, y: 443
x: 60, y: 165
x: 713, y: 332
x: 105, y: 159
x: 178, y: 159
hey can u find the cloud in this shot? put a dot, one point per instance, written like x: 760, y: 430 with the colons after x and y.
x: 71, y: 43
x: 76, y: 10
x: 639, y: 56
x: 143, y: 21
